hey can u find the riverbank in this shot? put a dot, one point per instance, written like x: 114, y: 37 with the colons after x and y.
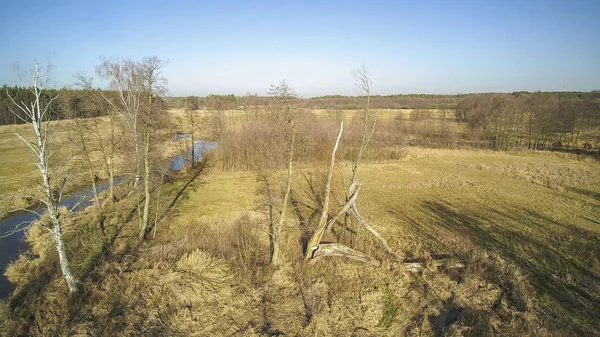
x: 77, y: 199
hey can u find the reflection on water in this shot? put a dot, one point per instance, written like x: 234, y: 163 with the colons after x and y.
x: 200, y: 147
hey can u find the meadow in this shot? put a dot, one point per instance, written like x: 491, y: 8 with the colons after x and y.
x: 523, y: 223
x: 526, y: 226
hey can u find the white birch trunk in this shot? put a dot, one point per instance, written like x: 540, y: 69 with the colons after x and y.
x: 36, y: 117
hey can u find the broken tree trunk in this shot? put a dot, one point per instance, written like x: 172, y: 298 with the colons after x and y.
x: 315, y: 248
x: 344, y: 209
x: 365, y: 224
x: 437, y: 260
x: 313, y: 244
x: 339, y: 250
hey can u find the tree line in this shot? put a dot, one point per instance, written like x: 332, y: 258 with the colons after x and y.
x: 337, y: 102
x: 340, y: 102
x: 73, y: 103
x: 536, y: 121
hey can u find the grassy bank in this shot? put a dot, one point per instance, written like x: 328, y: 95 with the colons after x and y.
x: 526, y: 226
x: 20, y: 176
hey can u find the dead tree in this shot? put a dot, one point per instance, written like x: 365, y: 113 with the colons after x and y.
x: 317, y: 249
x: 313, y: 243
x: 36, y: 114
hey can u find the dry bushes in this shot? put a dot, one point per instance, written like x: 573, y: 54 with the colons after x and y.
x: 201, y: 281
x: 242, y: 242
x: 180, y: 297
x: 262, y: 144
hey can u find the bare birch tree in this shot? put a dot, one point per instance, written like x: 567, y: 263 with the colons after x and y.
x: 37, y: 115
x: 153, y: 85
x: 285, y: 95
x: 125, y: 99
x: 135, y: 85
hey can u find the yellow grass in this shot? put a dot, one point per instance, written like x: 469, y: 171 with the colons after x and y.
x: 219, y: 196
x: 526, y: 226
x: 538, y: 213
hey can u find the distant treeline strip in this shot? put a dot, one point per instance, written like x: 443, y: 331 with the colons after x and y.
x: 340, y: 102
x: 70, y: 103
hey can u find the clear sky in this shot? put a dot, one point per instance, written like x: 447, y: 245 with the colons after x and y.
x: 239, y: 46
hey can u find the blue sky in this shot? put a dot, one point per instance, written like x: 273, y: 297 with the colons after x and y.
x: 239, y: 46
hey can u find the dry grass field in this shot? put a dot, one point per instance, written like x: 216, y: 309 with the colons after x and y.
x: 525, y: 225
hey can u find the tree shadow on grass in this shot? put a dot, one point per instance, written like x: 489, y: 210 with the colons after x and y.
x: 181, y: 193
x: 28, y: 293
x: 587, y: 192
x: 449, y: 314
x: 522, y: 237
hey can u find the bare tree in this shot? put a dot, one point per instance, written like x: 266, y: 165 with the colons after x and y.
x: 108, y: 154
x: 135, y: 84
x: 190, y: 110
x: 285, y: 95
x: 315, y: 248
x: 73, y: 109
x: 362, y: 84
x: 36, y: 114
x: 125, y: 98
x: 153, y: 84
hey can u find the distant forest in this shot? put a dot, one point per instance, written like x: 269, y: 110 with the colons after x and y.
x: 538, y: 120
x: 81, y: 103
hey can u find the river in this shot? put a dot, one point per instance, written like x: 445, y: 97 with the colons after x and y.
x: 12, y: 245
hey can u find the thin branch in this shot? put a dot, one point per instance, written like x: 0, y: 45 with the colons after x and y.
x: 30, y: 144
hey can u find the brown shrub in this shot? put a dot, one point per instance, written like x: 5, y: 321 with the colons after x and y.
x: 263, y: 144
